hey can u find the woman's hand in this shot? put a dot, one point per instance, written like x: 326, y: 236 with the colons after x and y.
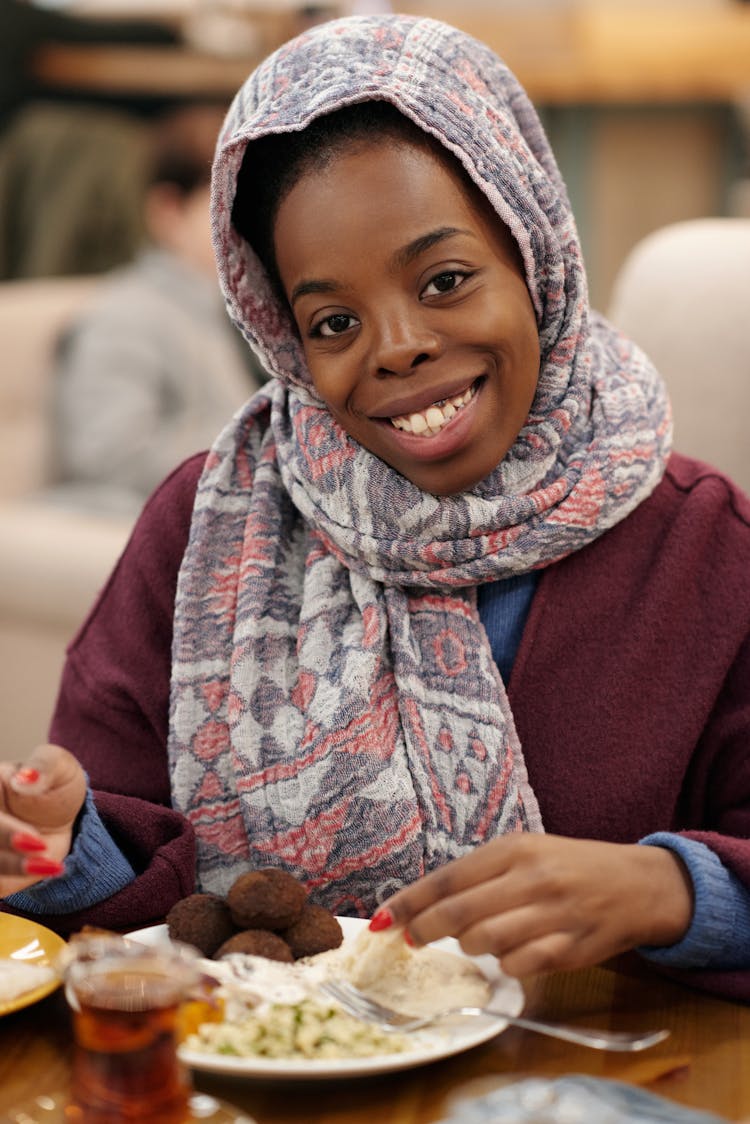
x: 544, y: 902
x: 39, y: 802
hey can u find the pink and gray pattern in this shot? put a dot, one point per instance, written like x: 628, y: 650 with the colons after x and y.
x: 335, y: 706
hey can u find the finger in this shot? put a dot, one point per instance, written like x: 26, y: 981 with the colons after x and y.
x: 32, y: 873
x: 48, y: 790
x: 501, y: 933
x: 486, y: 862
x: 471, y: 911
x: 34, y: 866
x: 27, y: 780
x: 552, y: 952
x: 17, y: 835
x: 22, y: 851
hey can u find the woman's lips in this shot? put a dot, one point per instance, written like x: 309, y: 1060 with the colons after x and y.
x: 435, y: 417
x: 434, y: 443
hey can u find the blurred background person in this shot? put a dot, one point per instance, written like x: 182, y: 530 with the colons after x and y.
x: 153, y: 369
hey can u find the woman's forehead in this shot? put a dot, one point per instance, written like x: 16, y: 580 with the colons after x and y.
x: 385, y: 185
x: 378, y: 213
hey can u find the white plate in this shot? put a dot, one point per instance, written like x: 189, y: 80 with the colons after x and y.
x: 507, y: 998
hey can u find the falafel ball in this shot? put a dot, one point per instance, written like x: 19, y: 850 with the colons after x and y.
x: 257, y: 942
x: 201, y: 920
x: 317, y: 930
x: 266, y: 899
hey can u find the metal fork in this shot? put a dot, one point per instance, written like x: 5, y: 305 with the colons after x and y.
x: 364, y: 1007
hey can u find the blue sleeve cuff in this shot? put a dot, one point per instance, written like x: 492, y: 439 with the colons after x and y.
x: 94, y: 870
x: 719, y: 933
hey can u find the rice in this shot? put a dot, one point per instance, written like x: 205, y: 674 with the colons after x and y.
x: 16, y: 978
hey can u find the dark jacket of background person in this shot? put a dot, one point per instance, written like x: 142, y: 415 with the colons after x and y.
x: 72, y: 166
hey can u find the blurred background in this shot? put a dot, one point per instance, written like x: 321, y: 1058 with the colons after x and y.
x: 646, y: 101
x: 108, y: 105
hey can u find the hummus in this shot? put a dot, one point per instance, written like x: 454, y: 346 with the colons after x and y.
x: 276, y: 1010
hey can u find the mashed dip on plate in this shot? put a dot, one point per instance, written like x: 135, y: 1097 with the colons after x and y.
x: 275, y: 1010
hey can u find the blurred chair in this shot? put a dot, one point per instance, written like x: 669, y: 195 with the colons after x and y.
x: 683, y: 294
x: 52, y: 560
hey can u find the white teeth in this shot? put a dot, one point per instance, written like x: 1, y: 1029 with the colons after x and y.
x: 430, y: 421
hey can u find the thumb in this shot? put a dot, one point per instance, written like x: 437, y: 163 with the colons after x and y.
x: 48, y: 790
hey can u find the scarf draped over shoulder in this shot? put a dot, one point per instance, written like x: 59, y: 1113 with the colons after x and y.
x: 335, y: 706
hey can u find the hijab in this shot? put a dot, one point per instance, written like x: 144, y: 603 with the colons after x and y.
x: 335, y: 707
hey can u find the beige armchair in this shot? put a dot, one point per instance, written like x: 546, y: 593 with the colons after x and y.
x: 52, y: 560
x: 683, y: 294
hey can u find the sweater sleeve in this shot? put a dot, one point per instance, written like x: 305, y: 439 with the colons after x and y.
x: 719, y: 933
x: 94, y: 870
x: 112, y: 713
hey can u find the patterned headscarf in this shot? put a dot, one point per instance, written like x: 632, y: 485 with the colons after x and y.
x: 335, y: 706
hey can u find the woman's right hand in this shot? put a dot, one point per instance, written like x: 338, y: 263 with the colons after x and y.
x: 39, y: 803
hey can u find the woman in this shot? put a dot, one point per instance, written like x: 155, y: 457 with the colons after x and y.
x: 458, y: 480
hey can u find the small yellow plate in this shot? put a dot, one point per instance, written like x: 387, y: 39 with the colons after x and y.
x: 28, y: 943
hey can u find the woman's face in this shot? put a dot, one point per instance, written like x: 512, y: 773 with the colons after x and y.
x: 413, y: 311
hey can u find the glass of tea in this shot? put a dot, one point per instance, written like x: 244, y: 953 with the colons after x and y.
x: 132, y: 1003
x: 126, y: 1000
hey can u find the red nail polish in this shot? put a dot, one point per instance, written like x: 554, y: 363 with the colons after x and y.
x: 45, y: 867
x: 381, y: 919
x: 21, y: 841
x: 26, y: 775
x: 408, y: 939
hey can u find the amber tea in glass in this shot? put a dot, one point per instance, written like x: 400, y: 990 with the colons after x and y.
x: 126, y: 1002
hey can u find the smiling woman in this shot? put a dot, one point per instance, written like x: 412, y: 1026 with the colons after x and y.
x: 401, y: 621
x: 431, y: 317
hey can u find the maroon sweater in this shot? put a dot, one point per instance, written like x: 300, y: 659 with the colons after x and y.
x: 630, y: 689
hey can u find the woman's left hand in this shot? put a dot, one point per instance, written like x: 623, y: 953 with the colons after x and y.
x: 545, y: 902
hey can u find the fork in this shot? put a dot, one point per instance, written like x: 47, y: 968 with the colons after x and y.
x: 364, y: 1007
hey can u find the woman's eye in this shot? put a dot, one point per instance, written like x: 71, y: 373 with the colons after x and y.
x: 444, y: 282
x: 334, y: 325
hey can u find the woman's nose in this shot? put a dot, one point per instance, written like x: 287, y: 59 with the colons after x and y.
x: 402, y: 342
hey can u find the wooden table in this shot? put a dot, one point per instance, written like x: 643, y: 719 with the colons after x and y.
x: 704, y: 1064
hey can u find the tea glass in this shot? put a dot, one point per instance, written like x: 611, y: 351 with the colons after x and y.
x: 127, y: 998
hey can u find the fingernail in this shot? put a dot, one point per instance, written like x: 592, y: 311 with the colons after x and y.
x: 408, y: 939
x: 26, y: 781
x: 46, y: 867
x: 27, y: 775
x: 22, y: 841
x: 381, y: 919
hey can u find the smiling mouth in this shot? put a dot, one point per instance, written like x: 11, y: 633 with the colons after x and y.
x: 426, y: 423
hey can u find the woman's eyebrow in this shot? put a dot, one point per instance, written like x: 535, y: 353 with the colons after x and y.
x: 407, y: 254
x: 311, y: 286
x: 402, y: 257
